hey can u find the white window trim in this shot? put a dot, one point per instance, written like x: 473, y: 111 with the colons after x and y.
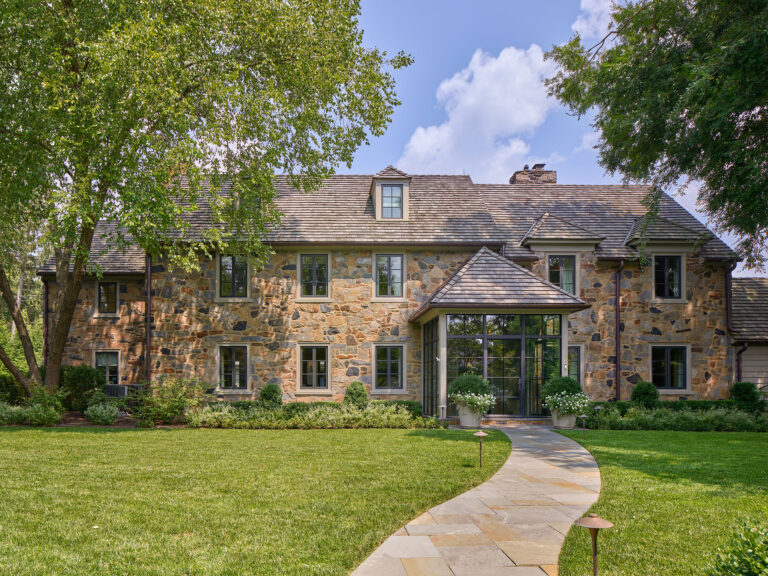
x: 236, y: 391
x: 375, y: 283
x: 314, y: 391
x: 116, y: 313
x: 299, y: 297
x: 688, y: 368
x: 576, y: 271
x: 581, y: 360
x: 119, y: 362
x: 248, y: 288
x: 683, y: 276
x: 378, y: 197
x: 404, y: 369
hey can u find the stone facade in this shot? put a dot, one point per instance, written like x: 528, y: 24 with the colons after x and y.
x: 124, y: 331
x: 189, y: 322
x: 699, y: 322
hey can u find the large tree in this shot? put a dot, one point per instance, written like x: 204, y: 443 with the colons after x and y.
x: 105, y: 104
x: 679, y: 93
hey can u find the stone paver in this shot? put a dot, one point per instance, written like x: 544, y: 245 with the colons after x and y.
x: 512, y: 525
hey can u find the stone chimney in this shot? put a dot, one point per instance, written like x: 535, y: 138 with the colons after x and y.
x: 535, y: 175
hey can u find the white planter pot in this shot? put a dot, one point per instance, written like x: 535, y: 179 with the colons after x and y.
x: 563, y: 420
x: 467, y: 418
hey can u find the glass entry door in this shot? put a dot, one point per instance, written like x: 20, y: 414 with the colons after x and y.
x: 504, y: 375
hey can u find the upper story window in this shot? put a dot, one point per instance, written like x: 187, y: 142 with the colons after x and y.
x: 233, y: 276
x: 389, y: 275
x: 562, y: 272
x: 107, y: 297
x: 668, y: 276
x: 669, y: 367
x: 392, y: 201
x: 314, y: 275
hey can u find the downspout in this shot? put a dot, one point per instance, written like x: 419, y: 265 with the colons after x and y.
x: 739, y: 352
x: 617, y: 338
x: 148, y: 318
x: 45, y: 322
x: 729, y: 297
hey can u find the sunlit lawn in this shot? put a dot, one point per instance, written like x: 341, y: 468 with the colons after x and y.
x: 193, y: 502
x: 675, y: 497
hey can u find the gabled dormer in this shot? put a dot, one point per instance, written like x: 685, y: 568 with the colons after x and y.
x: 390, y: 193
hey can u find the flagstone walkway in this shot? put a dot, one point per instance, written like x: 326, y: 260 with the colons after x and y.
x: 512, y: 525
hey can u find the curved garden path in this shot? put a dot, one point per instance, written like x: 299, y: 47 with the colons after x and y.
x: 512, y: 525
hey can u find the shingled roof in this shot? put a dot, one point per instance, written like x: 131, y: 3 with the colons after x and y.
x: 662, y: 230
x: 488, y: 280
x: 548, y: 227
x: 750, y: 309
x: 391, y: 172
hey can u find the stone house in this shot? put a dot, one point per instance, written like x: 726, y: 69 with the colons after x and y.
x: 405, y: 281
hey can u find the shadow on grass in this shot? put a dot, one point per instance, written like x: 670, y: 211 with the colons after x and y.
x: 494, y: 436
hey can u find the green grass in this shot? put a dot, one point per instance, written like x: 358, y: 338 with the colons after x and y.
x: 224, y: 502
x: 675, y: 498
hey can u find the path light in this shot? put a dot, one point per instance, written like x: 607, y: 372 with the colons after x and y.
x: 584, y: 425
x: 595, y: 524
x: 480, y: 434
x: 598, y: 408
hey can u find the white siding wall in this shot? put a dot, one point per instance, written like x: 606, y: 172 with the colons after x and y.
x: 754, y: 367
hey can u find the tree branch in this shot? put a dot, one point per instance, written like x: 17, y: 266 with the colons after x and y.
x: 18, y: 319
x: 15, y: 372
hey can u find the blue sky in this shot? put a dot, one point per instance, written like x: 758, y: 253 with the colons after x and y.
x: 473, y: 101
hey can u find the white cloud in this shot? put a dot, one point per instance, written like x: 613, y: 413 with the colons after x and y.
x: 594, y: 19
x: 588, y: 142
x: 491, y: 106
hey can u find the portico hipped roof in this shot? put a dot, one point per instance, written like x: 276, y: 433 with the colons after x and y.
x: 488, y: 280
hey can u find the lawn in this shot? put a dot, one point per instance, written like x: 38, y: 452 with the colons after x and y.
x: 224, y: 502
x: 675, y: 497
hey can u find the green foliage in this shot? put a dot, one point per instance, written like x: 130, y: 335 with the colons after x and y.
x: 167, y: 400
x: 102, y: 413
x: 10, y: 390
x: 560, y: 384
x: 78, y: 383
x: 356, y: 394
x: 747, y: 554
x: 300, y: 415
x: 469, y: 384
x: 645, y: 394
x: 664, y: 418
x: 675, y: 96
x: 12, y: 346
x: 10, y: 415
x: 747, y: 397
x: 271, y: 397
x: 42, y: 409
x: 566, y: 403
x: 412, y: 406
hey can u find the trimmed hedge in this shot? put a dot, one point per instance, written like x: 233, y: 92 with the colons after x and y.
x: 314, y: 415
x: 663, y: 418
x: 674, y: 405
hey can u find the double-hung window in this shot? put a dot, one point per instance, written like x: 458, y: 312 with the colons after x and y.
x: 668, y: 276
x: 233, y: 367
x: 107, y: 362
x: 562, y: 272
x: 392, y: 201
x: 389, y: 367
x: 389, y: 275
x: 314, y: 367
x: 314, y: 275
x: 233, y: 276
x: 106, y: 297
x: 669, y: 367
x: 574, y: 363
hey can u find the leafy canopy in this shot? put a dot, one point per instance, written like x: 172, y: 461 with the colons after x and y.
x: 679, y: 93
x: 105, y: 103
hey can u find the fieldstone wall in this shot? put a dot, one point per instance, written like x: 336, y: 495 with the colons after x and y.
x: 123, y: 332
x: 700, y: 322
x: 189, y: 322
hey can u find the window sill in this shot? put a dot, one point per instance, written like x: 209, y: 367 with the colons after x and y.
x: 233, y: 391
x: 389, y: 391
x: 384, y: 300
x: 313, y: 392
x: 657, y: 300
x: 675, y: 391
x: 106, y: 315
x: 220, y: 300
x: 312, y: 300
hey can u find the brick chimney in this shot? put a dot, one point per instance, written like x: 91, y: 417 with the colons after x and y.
x: 535, y: 175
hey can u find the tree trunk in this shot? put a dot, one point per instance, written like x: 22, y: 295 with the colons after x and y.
x: 19, y: 290
x: 26, y: 343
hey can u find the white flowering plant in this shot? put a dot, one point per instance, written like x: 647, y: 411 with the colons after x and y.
x: 477, y: 403
x: 567, y: 403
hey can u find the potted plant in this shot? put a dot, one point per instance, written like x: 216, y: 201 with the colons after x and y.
x: 565, y: 400
x: 472, y: 396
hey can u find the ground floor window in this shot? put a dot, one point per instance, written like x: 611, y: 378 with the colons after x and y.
x: 574, y: 363
x: 107, y: 362
x: 389, y: 368
x: 669, y: 367
x: 233, y: 367
x: 516, y: 353
x: 314, y: 367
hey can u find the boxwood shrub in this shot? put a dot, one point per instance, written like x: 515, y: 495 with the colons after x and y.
x: 664, y: 418
x: 747, y: 554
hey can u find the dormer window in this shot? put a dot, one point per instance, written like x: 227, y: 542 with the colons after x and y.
x: 392, y: 201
